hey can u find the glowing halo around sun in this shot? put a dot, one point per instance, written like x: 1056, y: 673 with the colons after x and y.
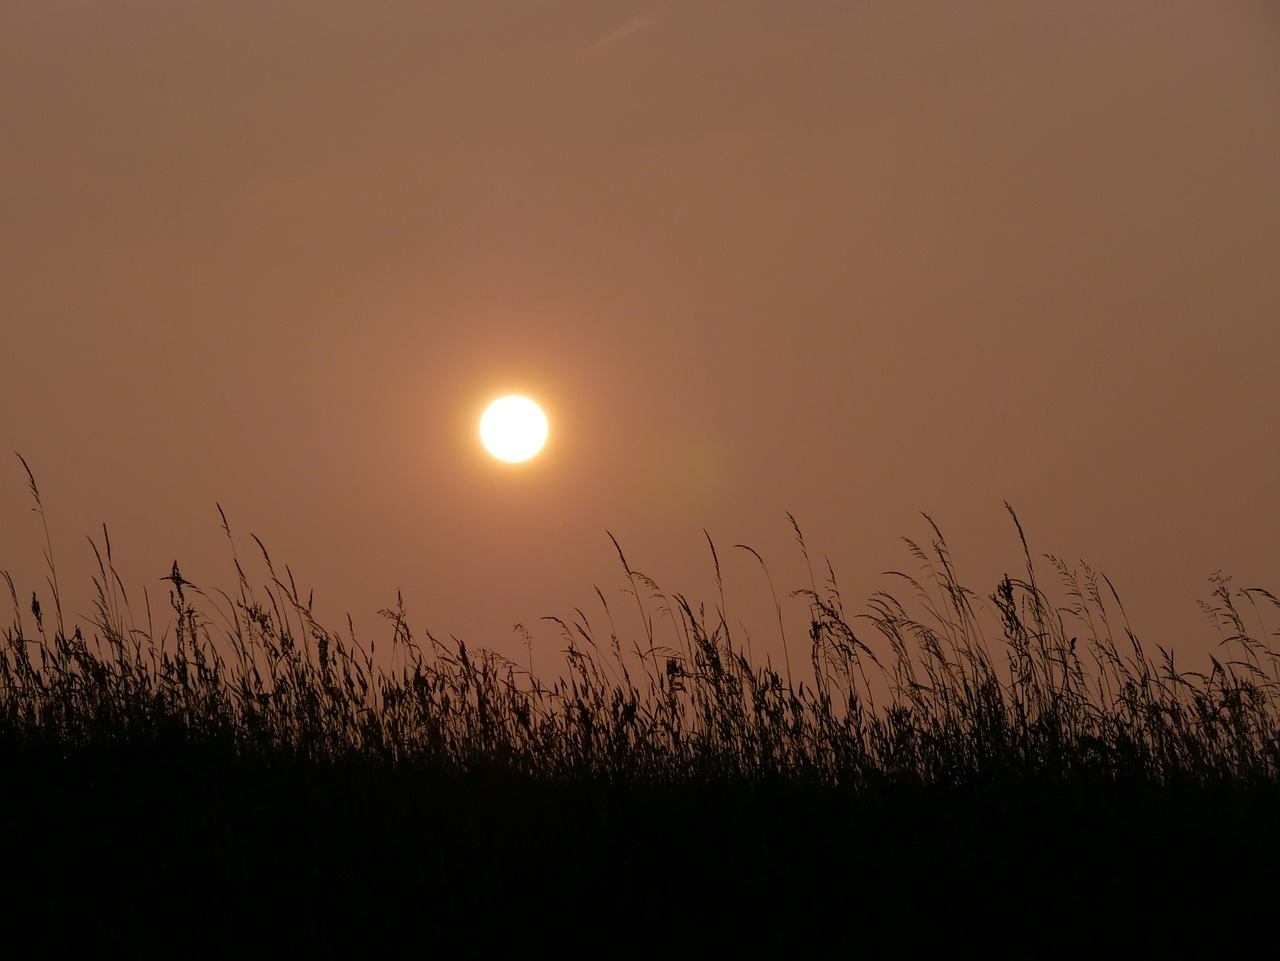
x: 513, y: 428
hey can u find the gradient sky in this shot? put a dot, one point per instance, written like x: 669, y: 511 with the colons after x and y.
x: 850, y: 260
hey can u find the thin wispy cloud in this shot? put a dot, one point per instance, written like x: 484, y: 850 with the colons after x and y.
x: 640, y: 23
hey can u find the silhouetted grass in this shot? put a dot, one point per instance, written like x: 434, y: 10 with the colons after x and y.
x: 248, y: 765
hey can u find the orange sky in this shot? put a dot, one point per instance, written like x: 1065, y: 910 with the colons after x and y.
x: 848, y: 260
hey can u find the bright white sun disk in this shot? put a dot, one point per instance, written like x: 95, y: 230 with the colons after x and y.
x: 513, y: 428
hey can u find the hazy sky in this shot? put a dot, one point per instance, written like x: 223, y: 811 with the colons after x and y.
x: 849, y: 260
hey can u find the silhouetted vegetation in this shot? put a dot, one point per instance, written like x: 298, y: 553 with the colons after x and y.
x: 948, y: 755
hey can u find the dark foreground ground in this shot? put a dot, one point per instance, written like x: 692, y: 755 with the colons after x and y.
x: 203, y: 854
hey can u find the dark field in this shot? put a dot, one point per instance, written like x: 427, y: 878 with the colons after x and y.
x: 1004, y: 771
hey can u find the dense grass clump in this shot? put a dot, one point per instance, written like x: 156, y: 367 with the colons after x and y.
x: 892, y: 696
x: 949, y: 739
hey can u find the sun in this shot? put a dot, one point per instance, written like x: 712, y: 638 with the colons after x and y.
x: 513, y: 428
